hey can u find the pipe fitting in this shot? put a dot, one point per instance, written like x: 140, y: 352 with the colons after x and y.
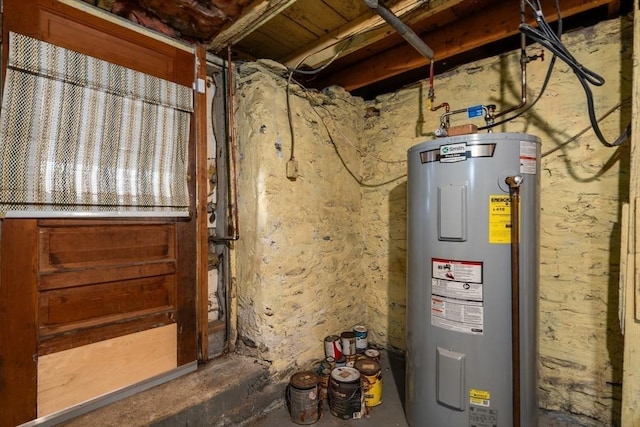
x: 514, y: 181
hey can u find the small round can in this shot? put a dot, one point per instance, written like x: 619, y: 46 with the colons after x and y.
x: 324, y: 383
x: 341, y: 362
x: 331, y: 361
x: 348, y: 341
x: 332, y: 347
x: 373, y: 354
x: 360, y: 333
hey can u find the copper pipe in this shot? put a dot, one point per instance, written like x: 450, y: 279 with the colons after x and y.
x: 514, y: 192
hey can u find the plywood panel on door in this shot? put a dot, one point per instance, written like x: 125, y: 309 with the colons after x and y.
x: 70, y: 377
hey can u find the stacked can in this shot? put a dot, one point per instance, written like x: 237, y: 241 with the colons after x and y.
x: 324, y: 383
x: 332, y: 347
x: 348, y: 342
x: 360, y: 333
x: 373, y: 354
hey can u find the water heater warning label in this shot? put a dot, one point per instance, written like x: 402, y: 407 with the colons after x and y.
x: 528, y: 157
x: 483, y: 417
x: 457, y: 302
x: 459, y: 271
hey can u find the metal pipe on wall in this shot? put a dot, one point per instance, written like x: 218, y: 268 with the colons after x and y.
x: 402, y: 28
x: 523, y: 67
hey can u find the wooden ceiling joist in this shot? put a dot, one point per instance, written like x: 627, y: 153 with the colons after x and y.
x: 363, y: 31
x: 251, y: 18
x: 485, y: 27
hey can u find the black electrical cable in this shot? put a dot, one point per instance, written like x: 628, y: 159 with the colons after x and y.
x: 548, y: 39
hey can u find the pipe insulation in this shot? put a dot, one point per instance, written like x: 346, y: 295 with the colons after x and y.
x: 402, y: 28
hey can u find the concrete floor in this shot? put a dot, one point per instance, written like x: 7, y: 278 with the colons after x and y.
x: 388, y: 414
x: 236, y: 391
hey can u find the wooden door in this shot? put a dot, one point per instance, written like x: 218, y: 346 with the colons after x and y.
x: 73, y: 289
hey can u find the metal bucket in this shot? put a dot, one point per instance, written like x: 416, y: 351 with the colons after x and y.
x: 302, y: 398
x: 345, y: 393
x: 371, y: 381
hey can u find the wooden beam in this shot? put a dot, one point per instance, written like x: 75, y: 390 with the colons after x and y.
x: 18, y: 321
x: 614, y: 8
x: 482, y: 28
x: 251, y: 18
x: 202, y: 179
x: 364, y: 31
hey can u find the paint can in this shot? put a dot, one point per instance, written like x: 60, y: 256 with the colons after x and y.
x: 341, y: 362
x: 302, y: 398
x: 371, y: 381
x: 345, y: 393
x: 348, y: 343
x: 324, y: 384
x: 373, y: 354
x: 332, y: 347
x: 331, y: 361
x: 325, y: 365
x: 360, y: 333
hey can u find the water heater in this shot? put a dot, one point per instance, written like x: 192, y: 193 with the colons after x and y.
x: 462, y: 366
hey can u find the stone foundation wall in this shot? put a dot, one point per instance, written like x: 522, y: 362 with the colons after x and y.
x: 299, y: 255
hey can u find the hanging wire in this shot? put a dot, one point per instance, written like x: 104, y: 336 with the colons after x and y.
x: 296, y: 70
x: 545, y: 36
x: 308, y: 72
x: 346, y: 166
x: 585, y: 130
x: 339, y: 154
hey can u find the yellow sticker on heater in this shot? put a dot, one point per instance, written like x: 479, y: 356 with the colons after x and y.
x: 479, y: 397
x: 499, y: 218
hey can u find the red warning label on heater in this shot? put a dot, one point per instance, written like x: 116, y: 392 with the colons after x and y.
x: 457, y: 271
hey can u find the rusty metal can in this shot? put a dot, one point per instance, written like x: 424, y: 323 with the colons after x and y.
x: 332, y: 347
x: 348, y: 342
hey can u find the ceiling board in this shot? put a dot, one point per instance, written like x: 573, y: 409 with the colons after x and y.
x: 249, y: 20
x: 255, y: 44
x: 282, y: 30
x: 348, y: 9
x: 346, y: 41
x: 363, y: 31
x: 315, y: 16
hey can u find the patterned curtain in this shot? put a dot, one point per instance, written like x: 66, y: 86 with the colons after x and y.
x: 84, y: 136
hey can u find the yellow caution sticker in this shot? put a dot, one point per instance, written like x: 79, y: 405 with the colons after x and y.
x: 479, y: 397
x: 499, y: 218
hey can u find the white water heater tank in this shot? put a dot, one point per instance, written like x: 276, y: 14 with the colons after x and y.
x: 459, y: 319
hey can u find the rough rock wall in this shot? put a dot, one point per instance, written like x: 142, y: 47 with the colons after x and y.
x: 582, y: 187
x: 299, y: 255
